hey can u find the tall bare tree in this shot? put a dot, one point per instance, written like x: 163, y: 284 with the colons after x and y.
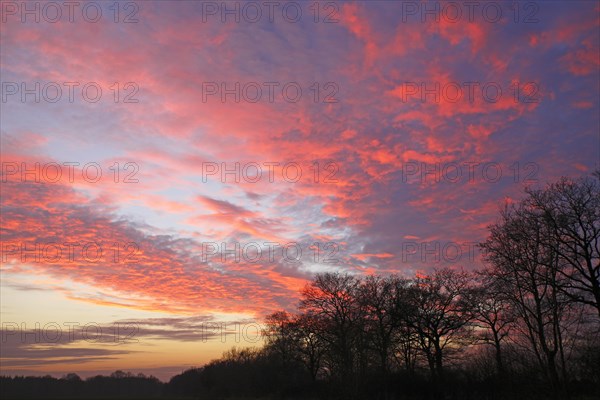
x: 571, y: 209
x: 527, y: 272
x: 492, y: 313
x: 332, y: 298
x: 377, y: 297
x: 438, y: 314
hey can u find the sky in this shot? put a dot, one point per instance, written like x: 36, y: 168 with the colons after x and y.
x: 174, y: 171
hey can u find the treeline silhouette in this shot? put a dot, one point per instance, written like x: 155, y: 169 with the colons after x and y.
x: 525, y: 326
x: 118, y: 385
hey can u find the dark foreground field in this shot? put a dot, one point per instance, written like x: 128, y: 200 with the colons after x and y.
x: 242, y: 384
